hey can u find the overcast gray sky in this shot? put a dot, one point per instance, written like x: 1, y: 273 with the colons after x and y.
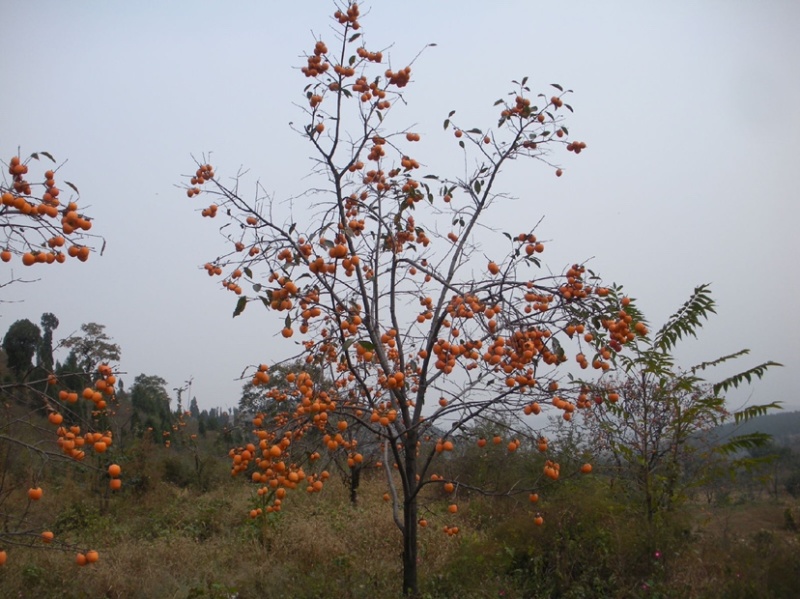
x: 689, y: 109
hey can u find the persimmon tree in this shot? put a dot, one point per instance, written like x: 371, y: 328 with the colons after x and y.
x: 41, y: 425
x: 379, y: 278
x: 38, y: 225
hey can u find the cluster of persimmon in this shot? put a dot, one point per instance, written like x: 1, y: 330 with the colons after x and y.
x: 551, y: 470
x: 271, y: 470
x: 532, y: 408
x: 532, y: 246
x: 231, y: 285
x: 521, y: 108
x: 396, y: 242
x: 514, y: 355
x: 344, y: 71
x: 84, y: 559
x: 364, y: 353
x: 209, y: 212
x: 72, y: 441
x: 103, y: 387
x: 376, y: 152
x: 370, y: 56
x: 114, y: 472
x: 399, y: 78
x: 349, y: 17
x: 409, y: 164
x: 567, y: 407
x: 574, y: 288
x: 316, y: 66
x: 450, y: 531
x: 212, y: 269
x: 281, y: 298
x: 72, y: 220
x: 384, y: 414
x: 18, y: 201
x: 443, y: 445
x: 203, y: 174
x: 350, y: 325
x: 18, y: 170
x: 376, y: 179
x: 448, y: 353
x: 576, y: 146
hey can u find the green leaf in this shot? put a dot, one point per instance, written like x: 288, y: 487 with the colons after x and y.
x: 240, y: 306
x: 434, y: 177
x: 686, y: 320
x: 446, y: 124
x: 718, y: 361
x: 557, y: 86
x: 452, y: 112
x: 751, y: 412
x: 50, y: 156
x: 72, y: 185
x: 257, y: 287
x: 354, y: 37
x: 367, y: 345
x: 248, y: 272
x: 461, y: 143
x: 476, y: 131
x: 737, y: 379
x: 744, y: 442
x: 500, y: 101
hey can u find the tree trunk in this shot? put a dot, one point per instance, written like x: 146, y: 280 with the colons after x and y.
x: 410, y: 586
x: 355, y: 480
x: 410, y: 509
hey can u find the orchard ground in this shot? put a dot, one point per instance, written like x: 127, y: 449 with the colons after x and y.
x: 172, y: 533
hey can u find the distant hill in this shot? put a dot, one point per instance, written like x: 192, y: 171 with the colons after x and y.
x: 783, y: 426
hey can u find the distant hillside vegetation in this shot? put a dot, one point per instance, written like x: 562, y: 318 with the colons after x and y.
x: 783, y: 426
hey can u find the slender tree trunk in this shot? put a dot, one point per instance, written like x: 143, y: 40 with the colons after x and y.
x: 355, y: 480
x: 410, y: 510
x: 410, y: 586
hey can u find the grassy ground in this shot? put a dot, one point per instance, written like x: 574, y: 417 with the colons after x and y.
x: 161, y: 539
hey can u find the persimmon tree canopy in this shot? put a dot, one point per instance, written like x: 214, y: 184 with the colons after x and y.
x: 380, y: 280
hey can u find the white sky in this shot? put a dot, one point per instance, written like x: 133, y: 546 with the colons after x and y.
x: 689, y: 109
